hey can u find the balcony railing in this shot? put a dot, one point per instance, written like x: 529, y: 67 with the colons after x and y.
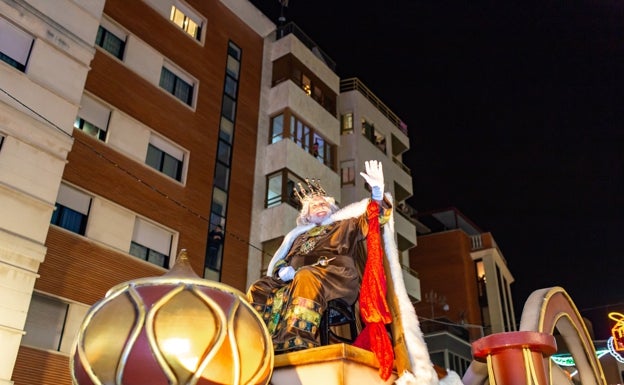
x: 399, y: 163
x: 354, y: 84
x: 292, y: 28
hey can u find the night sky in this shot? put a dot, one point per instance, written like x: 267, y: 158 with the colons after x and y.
x: 515, y: 113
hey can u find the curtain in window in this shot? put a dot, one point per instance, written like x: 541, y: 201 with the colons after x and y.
x: 183, y: 91
x: 70, y: 220
x: 167, y: 79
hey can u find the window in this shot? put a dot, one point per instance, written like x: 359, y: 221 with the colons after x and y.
x: 368, y: 129
x: 93, y: 118
x: 280, y: 189
x: 306, y: 84
x: 321, y: 150
x: 165, y: 157
x: 151, y: 243
x: 346, y: 123
x: 111, y: 38
x: 52, y: 323
x: 299, y: 133
x: 15, y: 45
x: 221, y: 180
x: 214, y: 250
x: 45, y: 322
x: 187, y: 19
x: 347, y: 173
x: 288, y: 67
x: 72, y: 209
x: 277, y: 128
x: 304, y: 136
x: 177, y: 84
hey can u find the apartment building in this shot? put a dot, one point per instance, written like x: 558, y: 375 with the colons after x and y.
x: 129, y: 131
x: 132, y: 130
x: 309, y: 131
x: 298, y: 137
x: 466, y: 286
x: 369, y: 129
x: 45, y: 52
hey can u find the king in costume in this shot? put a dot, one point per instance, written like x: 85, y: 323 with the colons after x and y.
x: 316, y: 263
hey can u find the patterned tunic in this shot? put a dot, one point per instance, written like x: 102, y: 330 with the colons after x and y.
x: 292, y: 310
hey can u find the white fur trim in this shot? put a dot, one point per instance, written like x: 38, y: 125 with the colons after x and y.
x: 422, y: 369
x: 451, y: 378
x: 351, y: 211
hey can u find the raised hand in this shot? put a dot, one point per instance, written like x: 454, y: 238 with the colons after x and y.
x: 374, y: 177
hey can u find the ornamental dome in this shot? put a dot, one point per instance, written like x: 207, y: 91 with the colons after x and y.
x: 173, y: 329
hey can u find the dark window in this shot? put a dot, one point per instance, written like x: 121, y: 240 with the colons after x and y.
x: 228, y: 110
x: 221, y: 179
x: 231, y: 86
x: 90, y: 129
x: 164, y: 162
x: 149, y: 255
x: 224, y: 152
x: 176, y: 86
x: 69, y: 219
x: 111, y: 43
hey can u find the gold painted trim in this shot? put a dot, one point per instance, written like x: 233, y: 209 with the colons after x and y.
x: 221, y: 335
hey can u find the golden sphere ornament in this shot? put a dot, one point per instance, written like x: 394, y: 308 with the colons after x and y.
x: 177, y: 329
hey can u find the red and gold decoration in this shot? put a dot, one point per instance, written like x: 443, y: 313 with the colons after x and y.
x: 516, y: 358
x: 373, y: 306
x: 615, y: 343
x: 177, y: 329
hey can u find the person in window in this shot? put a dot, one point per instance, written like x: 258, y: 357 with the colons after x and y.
x: 316, y: 262
x: 315, y: 149
x: 215, y: 240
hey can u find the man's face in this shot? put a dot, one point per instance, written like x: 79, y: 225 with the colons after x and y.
x: 319, y: 210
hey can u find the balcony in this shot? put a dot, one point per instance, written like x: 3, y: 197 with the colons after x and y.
x: 292, y: 28
x: 354, y: 84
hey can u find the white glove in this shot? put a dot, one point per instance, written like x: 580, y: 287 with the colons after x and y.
x: 286, y: 273
x: 375, y: 179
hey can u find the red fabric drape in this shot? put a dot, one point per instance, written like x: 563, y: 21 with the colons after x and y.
x: 373, y: 306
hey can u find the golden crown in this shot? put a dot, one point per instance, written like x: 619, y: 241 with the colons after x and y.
x: 314, y: 189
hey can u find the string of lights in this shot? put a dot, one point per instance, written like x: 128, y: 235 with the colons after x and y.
x: 131, y: 175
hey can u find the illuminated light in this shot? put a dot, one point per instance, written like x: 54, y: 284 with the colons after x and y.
x: 566, y: 359
x: 617, y: 332
x: 612, y: 350
x: 563, y: 359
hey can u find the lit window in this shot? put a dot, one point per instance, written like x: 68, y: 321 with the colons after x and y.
x: 92, y: 118
x: 165, y: 157
x: 347, y: 123
x: 72, y: 209
x: 111, y: 38
x: 151, y: 243
x: 190, y: 22
x: 177, y: 85
x: 15, y: 45
x: 306, y: 84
